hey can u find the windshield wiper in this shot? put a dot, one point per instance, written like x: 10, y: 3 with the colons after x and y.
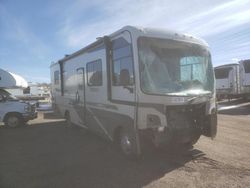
x: 193, y: 98
x: 198, y: 96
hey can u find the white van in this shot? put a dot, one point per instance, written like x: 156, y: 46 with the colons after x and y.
x: 14, y: 112
x: 227, y: 81
x: 138, y: 85
x: 245, y: 78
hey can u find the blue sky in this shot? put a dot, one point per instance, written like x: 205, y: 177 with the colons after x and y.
x: 35, y: 33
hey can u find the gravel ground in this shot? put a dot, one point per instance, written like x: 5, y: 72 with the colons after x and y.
x: 47, y: 154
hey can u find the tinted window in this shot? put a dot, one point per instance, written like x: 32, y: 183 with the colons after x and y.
x: 26, y: 90
x: 122, y: 60
x: 222, y: 73
x: 247, y: 66
x: 56, y: 77
x: 94, y: 73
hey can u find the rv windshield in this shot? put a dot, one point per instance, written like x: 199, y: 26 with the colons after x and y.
x: 174, y: 67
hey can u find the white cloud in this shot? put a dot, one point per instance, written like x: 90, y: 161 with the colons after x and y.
x: 235, y: 59
x: 201, y: 18
x: 219, y: 19
x: 38, y: 79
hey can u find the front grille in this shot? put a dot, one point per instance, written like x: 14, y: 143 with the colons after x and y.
x: 185, y: 116
x: 33, y: 108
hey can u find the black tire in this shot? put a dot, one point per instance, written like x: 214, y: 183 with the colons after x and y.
x: 126, y: 144
x: 13, y: 120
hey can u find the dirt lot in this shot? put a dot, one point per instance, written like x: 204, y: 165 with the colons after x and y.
x: 46, y: 153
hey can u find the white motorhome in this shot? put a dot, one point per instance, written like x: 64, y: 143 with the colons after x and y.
x: 11, y: 80
x: 245, y: 78
x: 137, y: 85
x: 227, y: 81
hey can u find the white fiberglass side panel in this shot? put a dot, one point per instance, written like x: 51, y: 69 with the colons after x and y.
x: 222, y: 83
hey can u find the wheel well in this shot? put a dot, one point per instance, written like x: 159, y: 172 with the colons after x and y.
x: 12, y: 113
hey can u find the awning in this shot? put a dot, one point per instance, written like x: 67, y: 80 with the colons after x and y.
x: 11, y: 80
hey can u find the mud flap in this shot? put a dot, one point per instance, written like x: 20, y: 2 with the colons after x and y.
x: 210, y: 127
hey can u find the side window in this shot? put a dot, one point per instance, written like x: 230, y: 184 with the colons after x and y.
x: 94, y: 73
x: 26, y: 90
x: 56, y: 77
x: 122, y: 60
x: 222, y: 73
x: 247, y: 66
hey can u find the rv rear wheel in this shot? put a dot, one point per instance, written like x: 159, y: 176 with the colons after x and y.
x: 13, y: 120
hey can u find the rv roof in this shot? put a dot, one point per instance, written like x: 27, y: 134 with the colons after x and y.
x: 142, y: 31
x: 162, y: 33
x: 245, y: 60
x: 227, y: 65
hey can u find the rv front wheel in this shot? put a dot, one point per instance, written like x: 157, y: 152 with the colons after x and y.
x: 126, y: 143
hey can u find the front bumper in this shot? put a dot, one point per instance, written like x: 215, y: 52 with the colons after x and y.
x: 29, y: 116
x: 185, y: 124
x: 170, y: 137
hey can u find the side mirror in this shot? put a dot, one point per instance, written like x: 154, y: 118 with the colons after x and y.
x: 124, y: 77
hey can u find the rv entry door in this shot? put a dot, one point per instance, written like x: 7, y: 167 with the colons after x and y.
x: 80, y: 95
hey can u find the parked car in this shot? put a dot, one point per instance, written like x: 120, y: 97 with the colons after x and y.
x: 14, y: 112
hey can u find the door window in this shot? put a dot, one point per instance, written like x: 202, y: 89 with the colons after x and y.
x: 122, y: 60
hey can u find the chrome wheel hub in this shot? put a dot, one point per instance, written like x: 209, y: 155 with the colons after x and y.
x: 126, y: 144
x: 13, y: 121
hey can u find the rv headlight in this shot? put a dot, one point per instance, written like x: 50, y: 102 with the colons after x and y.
x: 153, y: 120
x: 161, y: 129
